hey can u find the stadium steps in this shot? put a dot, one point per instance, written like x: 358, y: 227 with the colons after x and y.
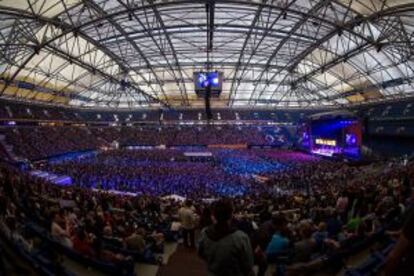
x: 79, y: 269
x: 184, y: 262
x: 144, y: 269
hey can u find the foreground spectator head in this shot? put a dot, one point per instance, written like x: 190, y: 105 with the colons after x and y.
x: 223, y: 211
x: 279, y: 222
x: 188, y: 203
x: 305, y: 230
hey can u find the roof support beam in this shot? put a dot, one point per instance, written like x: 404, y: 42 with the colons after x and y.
x: 348, y: 26
x: 289, y: 62
x: 296, y: 27
x: 64, y: 28
x: 210, y: 10
x: 93, y: 70
x: 180, y: 80
x: 266, y: 32
x: 249, y: 33
x: 119, y: 28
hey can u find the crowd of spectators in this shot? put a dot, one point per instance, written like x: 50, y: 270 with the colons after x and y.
x: 40, y: 142
x: 149, y: 172
x: 169, y: 171
x: 341, y: 206
x: 345, y: 208
x: 4, y: 154
x: 184, y: 135
x: 226, y: 172
x: 108, y: 228
x: 34, y: 143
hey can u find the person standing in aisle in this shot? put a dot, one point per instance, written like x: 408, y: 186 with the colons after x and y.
x: 187, y: 218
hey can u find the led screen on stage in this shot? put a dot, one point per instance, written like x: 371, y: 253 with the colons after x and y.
x: 336, y: 137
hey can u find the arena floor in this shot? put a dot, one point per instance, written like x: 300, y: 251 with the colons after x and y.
x: 187, y: 173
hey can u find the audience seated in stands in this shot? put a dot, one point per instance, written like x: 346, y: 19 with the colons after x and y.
x: 36, y: 143
x: 314, y: 209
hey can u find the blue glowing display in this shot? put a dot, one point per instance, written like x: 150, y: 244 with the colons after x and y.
x: 333, y: 136
x: 204, y: 79
x: 350, y: 139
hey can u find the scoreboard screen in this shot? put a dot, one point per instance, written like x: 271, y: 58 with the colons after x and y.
x: 204, y: 79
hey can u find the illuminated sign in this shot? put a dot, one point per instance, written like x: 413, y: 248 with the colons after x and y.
x: 325, y: 142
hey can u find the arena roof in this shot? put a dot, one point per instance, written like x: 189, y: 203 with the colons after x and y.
x: 126, y: 53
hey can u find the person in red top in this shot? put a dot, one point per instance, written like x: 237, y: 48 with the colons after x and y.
x: 82, y: 244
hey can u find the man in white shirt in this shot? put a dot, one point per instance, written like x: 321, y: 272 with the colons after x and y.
x: 187, y: 218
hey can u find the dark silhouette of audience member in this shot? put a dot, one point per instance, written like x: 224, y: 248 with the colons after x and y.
x: 400, y: 260
x: 226, y: 250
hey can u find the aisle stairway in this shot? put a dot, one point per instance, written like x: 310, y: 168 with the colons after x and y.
x: 184, y: 262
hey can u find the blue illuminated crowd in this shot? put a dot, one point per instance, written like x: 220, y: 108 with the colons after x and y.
x: 167, y: 171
